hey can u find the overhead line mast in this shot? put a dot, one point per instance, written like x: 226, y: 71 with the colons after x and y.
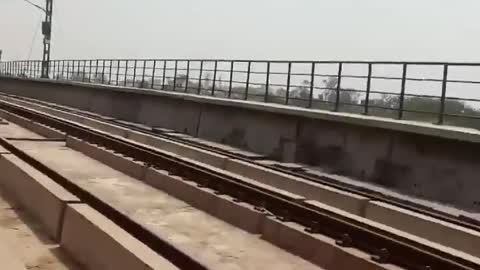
x: 47, y: 34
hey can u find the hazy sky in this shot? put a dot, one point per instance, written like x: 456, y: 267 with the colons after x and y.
x: 434, y: 30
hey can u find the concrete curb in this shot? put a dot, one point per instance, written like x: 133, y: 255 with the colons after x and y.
x: 114, y: 248
x: 42, y: 130
x: 340, y: 199
x: 40, y: 195
x: 435, y: 230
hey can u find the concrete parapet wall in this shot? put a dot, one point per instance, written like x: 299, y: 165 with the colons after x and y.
x: 430, y: 161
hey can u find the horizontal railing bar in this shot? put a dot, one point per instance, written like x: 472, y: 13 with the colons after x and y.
x: 172, y: 60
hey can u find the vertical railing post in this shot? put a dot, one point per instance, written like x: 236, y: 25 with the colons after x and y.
x: 267, y: 82
x: 73, y: 71
x: 232, y: 63
x: 153, y: 73
x: 200, y: 78
x: 58, y: 69
x: 164, y: 73
x: 126, y: 73
x: 103, y: 71
x: 51, y: 66
x: 118, y: 72
x: 175, y: 76
x: 289, y: 76
x: 187, y: 77
x: 96, y: 71
x: 134, y: 73
x: 63, y: 69
x: 248, y: 79
x: 78, y: 68
x: 339, y: 82
x: 441, y: 115
x: 143, y: 73
x: 369, y: 84
x: 84, y: 70
x: 68, y: 69
x: 90, y: 71
x: 110, y: 72
x: 312, y: 85
x: 402, y: 91
x: 214, y: 77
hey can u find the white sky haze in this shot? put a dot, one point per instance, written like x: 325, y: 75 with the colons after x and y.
x: 423, y: 30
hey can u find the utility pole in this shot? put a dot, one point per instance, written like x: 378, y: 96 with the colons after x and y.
x: 47, y: 34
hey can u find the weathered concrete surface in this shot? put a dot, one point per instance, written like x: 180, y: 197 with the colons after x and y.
x: 98, y: 243
x: 340, y: 199
x: 215, y: 243
x: 40, y: 195
x: 8, y: 259
x: 27, y: 241
x: 224, y: 207
x: 435, y: 230
x: 397, y: 232
x: 13, y: 130
x: 433, y: 162
x: 318, y: 248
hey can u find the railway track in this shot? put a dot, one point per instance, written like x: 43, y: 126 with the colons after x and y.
x: 383, y: 245
x: 325, y: 179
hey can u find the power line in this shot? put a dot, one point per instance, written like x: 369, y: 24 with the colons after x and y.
x: 35, y: 5
x: 36, y: 30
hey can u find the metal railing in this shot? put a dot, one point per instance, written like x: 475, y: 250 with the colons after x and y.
x: 425, y: 91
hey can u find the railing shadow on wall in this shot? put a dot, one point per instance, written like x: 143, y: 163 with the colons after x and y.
x: 435, y: 92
